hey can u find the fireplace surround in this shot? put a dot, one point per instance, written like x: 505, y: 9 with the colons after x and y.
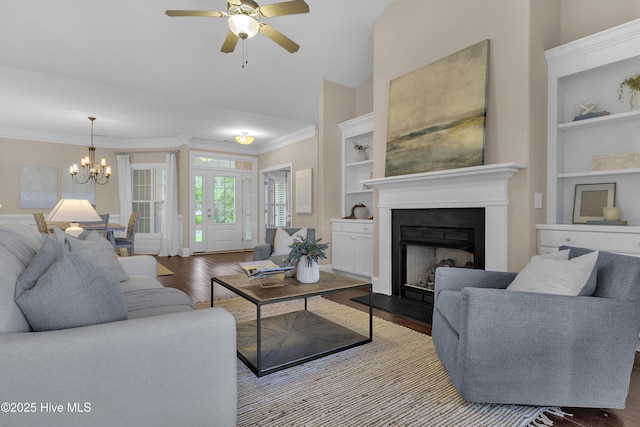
x: 474, y: 187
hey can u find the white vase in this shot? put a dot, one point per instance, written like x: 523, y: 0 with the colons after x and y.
x: 306, y: 273
x: 361, y: 155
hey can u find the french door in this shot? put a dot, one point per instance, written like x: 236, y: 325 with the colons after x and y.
x: 223, y: 211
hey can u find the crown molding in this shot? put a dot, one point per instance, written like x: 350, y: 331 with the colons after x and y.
x: 152, y: 143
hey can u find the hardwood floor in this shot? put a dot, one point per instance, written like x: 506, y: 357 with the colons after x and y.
x: 193, y: 276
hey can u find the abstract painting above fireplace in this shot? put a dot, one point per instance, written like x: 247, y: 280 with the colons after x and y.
x: 437, y: 114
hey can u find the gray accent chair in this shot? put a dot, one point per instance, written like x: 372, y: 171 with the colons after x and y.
x: 525, y: 348
x: 263, y: 251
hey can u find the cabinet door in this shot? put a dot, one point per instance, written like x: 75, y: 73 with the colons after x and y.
x: 363, y: 255
x: 342, y: 251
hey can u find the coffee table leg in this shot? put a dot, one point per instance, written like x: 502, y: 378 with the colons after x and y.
x: 259, y: 343
x: 370, y: 312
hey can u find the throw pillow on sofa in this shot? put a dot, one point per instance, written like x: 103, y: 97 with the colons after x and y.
x: 94, y: 248
x: 554, y: 274
x: 71, y: 292
x: 283, y: 241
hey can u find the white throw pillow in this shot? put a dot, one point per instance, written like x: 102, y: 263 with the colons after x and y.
x: 283, y: 241
x: 552, y: 274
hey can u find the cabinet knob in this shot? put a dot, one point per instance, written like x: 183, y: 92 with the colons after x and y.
x: 568, y: 239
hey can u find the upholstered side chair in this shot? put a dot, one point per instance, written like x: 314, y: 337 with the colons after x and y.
x: 503, y: 346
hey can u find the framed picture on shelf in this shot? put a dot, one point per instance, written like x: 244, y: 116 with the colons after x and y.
x: 589, y: 200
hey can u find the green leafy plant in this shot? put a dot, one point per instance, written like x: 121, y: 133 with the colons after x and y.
x: 360, y: 147
x: 633, y: 83
x: 312, y: 249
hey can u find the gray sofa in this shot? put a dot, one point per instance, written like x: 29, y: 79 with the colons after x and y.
x: 263, y: 251
x: 167, y: 365
x: 502, y: 346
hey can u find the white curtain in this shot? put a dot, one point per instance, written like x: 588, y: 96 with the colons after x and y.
x: 125, y: 188
x: 169, y: 244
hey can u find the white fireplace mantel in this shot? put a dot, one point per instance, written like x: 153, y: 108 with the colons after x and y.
x: 480, y: 186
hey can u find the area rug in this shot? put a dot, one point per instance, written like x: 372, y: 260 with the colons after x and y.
x: 163, y: 271
x: 397, y: 380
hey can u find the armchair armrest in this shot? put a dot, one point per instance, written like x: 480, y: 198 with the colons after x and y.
x: 140, y: 265
x: 455, y: 279
x: 262, y: 251
x: 161, y: 370
x: 573, y: 345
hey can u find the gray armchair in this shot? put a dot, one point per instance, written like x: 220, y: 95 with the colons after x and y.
x: 264, y: 250
x: 510, y: 347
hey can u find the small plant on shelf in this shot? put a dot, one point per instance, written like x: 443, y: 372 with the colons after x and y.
x: 312, y: 249
x: 633, y: 84
x: 360, y: 147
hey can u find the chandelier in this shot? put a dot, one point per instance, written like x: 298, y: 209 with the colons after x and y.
x: 91, y: 171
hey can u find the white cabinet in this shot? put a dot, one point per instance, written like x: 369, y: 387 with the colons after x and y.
x: 591, y: 69
x: 352, y: 246
x: 623, y: 240
x: 354, y: 170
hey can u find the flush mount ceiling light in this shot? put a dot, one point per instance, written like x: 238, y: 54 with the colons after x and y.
x: 244, y: 138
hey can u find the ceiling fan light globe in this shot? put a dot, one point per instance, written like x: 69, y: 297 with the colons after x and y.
x: 243, y: 26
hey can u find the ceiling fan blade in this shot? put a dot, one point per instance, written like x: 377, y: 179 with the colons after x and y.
x: 230, y: 43
x: 210, y: 13
x: 279, y: 38
x: 284, y: 8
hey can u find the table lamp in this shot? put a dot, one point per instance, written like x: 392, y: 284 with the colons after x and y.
x: 73, y: 211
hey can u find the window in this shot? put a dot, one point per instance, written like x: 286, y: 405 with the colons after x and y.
x: 277, y: 204
x: 149, y: 189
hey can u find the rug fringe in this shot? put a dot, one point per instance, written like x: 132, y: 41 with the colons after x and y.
x: 542, y: 420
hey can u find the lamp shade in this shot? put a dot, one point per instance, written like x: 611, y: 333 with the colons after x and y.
x: 73, y: 210
x: 243, y: 26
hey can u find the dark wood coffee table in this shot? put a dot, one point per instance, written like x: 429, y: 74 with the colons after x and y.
x: 273, y: 343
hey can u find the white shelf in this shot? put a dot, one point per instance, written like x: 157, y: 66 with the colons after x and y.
x: 359, y: 191
x: 359, y: 164
x: 599, y: 121
x: 598, y: 173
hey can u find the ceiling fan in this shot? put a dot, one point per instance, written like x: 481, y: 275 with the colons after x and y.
x: 243, y: 16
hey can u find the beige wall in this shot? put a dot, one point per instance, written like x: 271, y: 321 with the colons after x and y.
x: 520, y: 32
x: 581, y: 18
x: 303, y: 155
x: 18, y: 152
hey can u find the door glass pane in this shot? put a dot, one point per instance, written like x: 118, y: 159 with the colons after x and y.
x: 198, y: 208
x: 224, y: 200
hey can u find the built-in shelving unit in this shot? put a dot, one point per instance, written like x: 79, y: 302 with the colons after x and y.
x: 354, y: 171
x: 352, y: 239
x: 591, y: 69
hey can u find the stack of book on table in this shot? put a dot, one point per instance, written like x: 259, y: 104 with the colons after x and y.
x: 260, y: 269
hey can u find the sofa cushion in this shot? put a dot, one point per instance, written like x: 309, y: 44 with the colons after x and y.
x: 152, y: 302
x: 72, y: 292
x: 96, y: 249
x: 50, y: 252
x: 19, y: 244
x: 549, y: 275
x: 283, y: 241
